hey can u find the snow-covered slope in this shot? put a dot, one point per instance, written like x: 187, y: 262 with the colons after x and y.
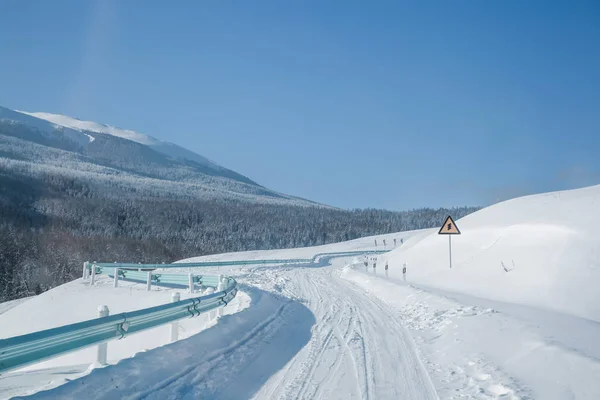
x: 66, y: 133
x: 169, y: 149
x: 549, y: 242
x: 44, y: 127
x: 41, y: 142
x: 77, y: 124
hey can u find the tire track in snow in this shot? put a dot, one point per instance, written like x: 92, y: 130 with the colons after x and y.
x: 346, y: 340
x: 358, y: 349
x: 367, y: 389
x: 343, y: 349
x: 318, y: 348
x: 409, y: 355
x: 304, y: 383
x: 314, y: 363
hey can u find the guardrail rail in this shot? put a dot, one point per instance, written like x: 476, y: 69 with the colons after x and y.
x: 145, y: 267
x: 20, y: 351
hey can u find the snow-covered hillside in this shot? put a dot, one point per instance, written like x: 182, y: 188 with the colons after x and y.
x: 71, y: 134
x: 550, y: 243
x: 44, y: 127
x: 79, y: 125
x: 169, y: 149
x: 41, y: 142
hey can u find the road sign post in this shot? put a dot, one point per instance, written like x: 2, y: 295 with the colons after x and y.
x: 449, y: 228
x: 450, y: 248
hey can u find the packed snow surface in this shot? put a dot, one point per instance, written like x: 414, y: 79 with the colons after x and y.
x: 340, y: 330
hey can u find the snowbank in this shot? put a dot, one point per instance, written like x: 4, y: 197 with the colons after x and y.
x: 484, y: 349
x: 77, y: 301
x: 549, y: 242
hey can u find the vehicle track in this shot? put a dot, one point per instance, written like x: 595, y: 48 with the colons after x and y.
x: 358, y: 347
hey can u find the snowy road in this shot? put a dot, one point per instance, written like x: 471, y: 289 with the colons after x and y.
x: 336, y: 332
x: 308, y: 334
x: 358, y: 347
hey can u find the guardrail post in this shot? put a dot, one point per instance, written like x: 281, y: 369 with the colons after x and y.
x: 85, y: 269
x: 191, y: 282
x: 149, y: 281
x: 175, y: 297
x: 93, y: 278
x: 220, y: 288
x: 116, y: 278
x: 102, y: 347
x: 220, y: 284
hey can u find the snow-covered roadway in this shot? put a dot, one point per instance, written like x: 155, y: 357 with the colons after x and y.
x: 336, y: 332
x: 308, y: 334
x: 358, y: 349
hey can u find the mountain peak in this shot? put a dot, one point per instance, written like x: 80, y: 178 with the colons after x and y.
x: 166, y: 148
x: 85, y: 132
x: 90, y: 126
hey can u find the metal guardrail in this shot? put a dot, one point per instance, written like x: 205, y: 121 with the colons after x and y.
x: 346, y: 254
x: 145, y: 275
x: 23, y: 350
x: 313, y: 259
x: 20, y: 351
x: 202, y: 264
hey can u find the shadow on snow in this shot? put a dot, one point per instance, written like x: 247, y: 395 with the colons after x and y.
x: 230, y: 360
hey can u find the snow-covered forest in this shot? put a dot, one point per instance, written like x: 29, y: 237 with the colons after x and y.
x: 51, y: 223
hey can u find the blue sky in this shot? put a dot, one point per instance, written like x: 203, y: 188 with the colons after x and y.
x: 387, y: 104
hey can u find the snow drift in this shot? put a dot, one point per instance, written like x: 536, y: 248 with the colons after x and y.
x: 549, y: 243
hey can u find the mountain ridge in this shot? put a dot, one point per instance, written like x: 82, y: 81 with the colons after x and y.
x: 124, y: 151
x: 167, y: 148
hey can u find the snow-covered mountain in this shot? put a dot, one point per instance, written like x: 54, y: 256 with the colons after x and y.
x: 56, y: 141
x: 169, y: 149
x: 46, y: 129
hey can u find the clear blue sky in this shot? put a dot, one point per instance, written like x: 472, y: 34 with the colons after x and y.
x: 392, y: 104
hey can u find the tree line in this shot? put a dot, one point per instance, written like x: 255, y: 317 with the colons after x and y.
x: 50, y: 223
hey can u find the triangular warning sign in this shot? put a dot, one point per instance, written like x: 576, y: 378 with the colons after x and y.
x: 449, y: 227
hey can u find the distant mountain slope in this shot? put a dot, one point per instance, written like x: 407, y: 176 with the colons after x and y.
x: 169, y: 149
x: 63, y: 142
